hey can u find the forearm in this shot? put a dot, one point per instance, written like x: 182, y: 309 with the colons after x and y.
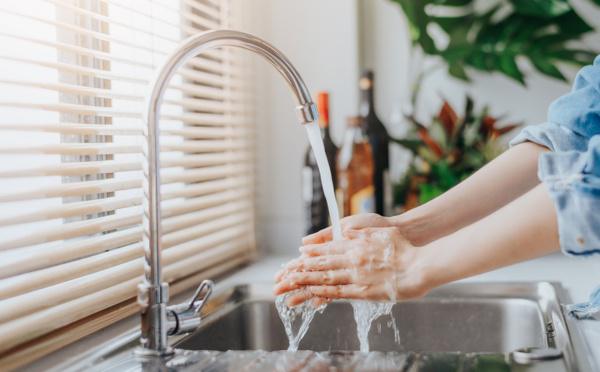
x: 504, y: 179
x: 522, y: 230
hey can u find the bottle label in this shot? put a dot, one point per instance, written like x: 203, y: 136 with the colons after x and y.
x: 339, y: 198
x: 388, y: 197
x: 363, y: 201
x: 307, y: 184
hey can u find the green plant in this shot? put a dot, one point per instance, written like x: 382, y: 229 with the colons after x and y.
x: 447, y: 151
x: 489, y: 35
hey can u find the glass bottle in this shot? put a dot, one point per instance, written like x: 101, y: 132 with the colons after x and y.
x: 356, y: 192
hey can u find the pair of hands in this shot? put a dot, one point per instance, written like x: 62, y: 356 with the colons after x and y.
x: 373, y: 261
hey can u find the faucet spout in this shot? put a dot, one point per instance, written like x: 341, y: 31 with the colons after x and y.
x: 152, y: 292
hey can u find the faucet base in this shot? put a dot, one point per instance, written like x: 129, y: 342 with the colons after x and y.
x: 145, y: 353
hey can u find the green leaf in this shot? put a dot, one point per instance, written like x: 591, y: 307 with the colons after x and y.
x: 471, y: 133
x: 428, y: 192
x: 410, y: 144
x: 572, y: 24
x: 541, y: 8
x: 492, y: 40
x: 576, y: 56
x: 443, y: 175
x: 457, y: 70
x: 438, y: 134
x: 473, y: 159
x: 545, y: 66
x: 508, y: 65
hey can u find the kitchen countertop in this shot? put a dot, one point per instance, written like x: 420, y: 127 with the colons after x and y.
x: 578, y: 276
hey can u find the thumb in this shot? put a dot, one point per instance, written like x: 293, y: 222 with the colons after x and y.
x: 319, y: 237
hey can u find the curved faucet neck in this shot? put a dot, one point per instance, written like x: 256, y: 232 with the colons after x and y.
x: 153, y: 293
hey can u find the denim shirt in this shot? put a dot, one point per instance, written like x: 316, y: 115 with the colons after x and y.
x: 571, y: 171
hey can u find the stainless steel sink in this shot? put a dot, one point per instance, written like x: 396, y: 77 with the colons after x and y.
x: 443, y: 322
x: 466, y: 326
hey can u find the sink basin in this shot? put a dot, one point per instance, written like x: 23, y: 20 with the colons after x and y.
x: 440, y: 323
x: 460, y: 319
x: 464, y: 326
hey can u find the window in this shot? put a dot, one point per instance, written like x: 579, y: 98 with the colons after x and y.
x: 73, y: 77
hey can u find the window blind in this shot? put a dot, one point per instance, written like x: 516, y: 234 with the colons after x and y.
x: 73, y: 78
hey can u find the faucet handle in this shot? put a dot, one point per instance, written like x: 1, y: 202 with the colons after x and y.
x: 185, y: 317
x: 206, y: 288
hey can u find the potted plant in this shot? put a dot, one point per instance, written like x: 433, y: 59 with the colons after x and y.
x: 486, y: 35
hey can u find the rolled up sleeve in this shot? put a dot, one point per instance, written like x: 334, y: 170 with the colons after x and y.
x: 571, y: 171
x: 574, y: 185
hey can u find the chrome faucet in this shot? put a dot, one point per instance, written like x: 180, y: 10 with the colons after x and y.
x: 159, y: 320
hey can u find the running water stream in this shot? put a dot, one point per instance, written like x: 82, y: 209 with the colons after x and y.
x: 364, y: 311
x: 316, y: 142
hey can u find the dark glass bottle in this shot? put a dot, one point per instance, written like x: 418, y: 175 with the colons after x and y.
x: 379, y: 140
x: 316, y: 212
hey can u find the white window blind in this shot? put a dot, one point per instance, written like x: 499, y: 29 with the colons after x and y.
x: 73, y: 77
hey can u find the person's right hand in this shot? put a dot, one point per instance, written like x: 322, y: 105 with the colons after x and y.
x: 375, y: 264
x: 355, y: 222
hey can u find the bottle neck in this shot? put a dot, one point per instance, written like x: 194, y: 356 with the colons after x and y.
x: 367, y: 102
x: 324, y: 132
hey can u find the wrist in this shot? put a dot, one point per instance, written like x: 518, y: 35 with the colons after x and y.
x: 416, y: 225
x: 427, y: 266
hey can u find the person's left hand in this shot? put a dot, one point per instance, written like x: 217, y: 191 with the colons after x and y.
x: 372, y: 264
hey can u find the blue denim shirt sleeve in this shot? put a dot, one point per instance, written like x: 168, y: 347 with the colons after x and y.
x: 571, y: 171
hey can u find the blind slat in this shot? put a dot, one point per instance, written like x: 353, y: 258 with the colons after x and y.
x: 71, y: 189
x: 105, y: 149
x: 86, y: 208
x: 111, y: 166
x: 212, y: 12
x: 126, y: 130
x: 190, y: 118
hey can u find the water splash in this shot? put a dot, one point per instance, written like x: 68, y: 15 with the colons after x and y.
x: 296, y: 320
x: 365, y: 312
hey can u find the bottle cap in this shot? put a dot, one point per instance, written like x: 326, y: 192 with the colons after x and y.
x: 323, y: 107
x: 354, y: 121
x: 366, y: 80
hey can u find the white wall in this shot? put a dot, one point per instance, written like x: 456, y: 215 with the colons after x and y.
x: 384, y: 48
x: 319, y: 37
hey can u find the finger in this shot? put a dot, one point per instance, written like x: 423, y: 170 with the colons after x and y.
x: 279, y: 275
x: 298, y: 298
x: 348, y: 291
x: 356, y: 233
x: 284, y: 270
x: 320, y: 301
x: 330, y: 248
x: 318, y: 263
x: 297, y: 280
x: 321, y: 236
